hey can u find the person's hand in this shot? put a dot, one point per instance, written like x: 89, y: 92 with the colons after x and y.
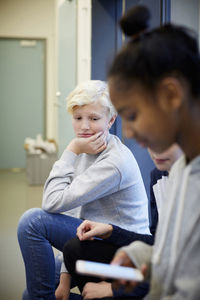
x: 61, y: 293
x: 89, y: 229
x: 93, y: 290
x: 92, y: 145
x: 63, y: 289
x: 122, y: 259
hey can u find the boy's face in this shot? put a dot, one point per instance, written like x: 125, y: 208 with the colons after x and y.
x: 166, y: 159
x: 90, y: 119
x: 151, y: 123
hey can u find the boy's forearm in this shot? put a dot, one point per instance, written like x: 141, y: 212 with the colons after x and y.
x: 65, y: 279
x: 123, y: 237
x: 63, y: 289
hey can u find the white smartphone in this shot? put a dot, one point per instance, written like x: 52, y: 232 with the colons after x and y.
x: 109, y: 271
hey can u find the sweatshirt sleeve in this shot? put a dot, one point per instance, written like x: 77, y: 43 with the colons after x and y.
x: 63, y: 191
x: 63, y: 268
x: 121, y: 237
x: 139, y: 253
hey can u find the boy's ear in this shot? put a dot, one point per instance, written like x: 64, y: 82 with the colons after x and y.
x: 171, y: 94
x: 112, y: 120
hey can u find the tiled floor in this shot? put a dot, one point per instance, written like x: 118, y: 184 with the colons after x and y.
x: 16, y: 196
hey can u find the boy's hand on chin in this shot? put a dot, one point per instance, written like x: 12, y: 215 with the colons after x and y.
x: 91, y: 145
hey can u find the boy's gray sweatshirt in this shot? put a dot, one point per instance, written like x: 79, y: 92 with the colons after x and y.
x: 108, y: 187
x: 175, y: 257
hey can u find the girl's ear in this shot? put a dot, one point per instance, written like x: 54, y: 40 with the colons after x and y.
x: 112, y: 120
x: 171, y: 94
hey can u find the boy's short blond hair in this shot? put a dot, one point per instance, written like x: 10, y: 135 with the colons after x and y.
x: 89, y: 92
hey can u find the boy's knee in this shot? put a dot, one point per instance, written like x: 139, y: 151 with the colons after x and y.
x: 25, y: 295
x: 28, y: 219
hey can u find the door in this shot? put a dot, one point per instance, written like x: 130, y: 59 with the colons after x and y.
x: 22, y: 97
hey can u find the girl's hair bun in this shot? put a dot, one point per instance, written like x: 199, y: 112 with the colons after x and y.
x: 135, y: 20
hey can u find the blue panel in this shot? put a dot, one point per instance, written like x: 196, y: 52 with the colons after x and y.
x: 142, y: 156
x: 104, y: 35
x: 153, y: 5
x: 106, y: 41
x: 143, y: 159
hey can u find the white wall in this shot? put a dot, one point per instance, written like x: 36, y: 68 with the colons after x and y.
x: 35, y: 19
x: 74, y: 58
x: 67, y: 65
x: 84, y: 40
x: 186, y: 12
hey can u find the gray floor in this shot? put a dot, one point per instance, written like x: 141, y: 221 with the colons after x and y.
x: 16, y: 196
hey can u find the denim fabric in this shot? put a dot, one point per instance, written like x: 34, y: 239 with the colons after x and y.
x: 38, y: 231
x: 72, y: 296
x: 58, y: 262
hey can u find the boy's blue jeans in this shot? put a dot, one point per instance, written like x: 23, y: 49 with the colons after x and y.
x: 38, y: 231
